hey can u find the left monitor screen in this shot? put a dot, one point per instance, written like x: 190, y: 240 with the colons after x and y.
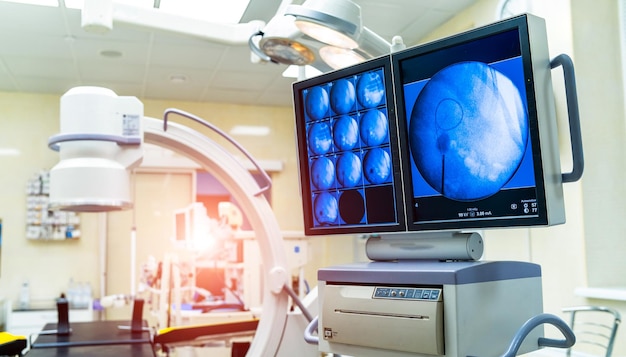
x: 347, y: 147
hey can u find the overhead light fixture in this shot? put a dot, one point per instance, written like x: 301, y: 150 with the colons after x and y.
x: 335, y: 22
x: 340, y: 57
x: 280, y: 42
x: 338, y: 23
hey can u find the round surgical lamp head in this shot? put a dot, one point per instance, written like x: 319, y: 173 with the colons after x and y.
x: 281, y: 42
x: 334, y: 22
x: 286, y: 51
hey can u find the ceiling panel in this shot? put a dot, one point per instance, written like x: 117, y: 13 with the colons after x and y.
x: 34, y: 45
x: 40, y: 67
x: 185, y: 56
x: 32, y: 19
x: 45, y: 50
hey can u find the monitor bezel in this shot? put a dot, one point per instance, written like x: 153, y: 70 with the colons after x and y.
x: 541, y: 115
x: 384, y: 63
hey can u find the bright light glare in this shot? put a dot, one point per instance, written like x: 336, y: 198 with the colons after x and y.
x: 338, y: 58
x: 9, y: 152
x: 325, y: 34
x: 207, y: 10
x: 294, y: 72
x: 53, y: 3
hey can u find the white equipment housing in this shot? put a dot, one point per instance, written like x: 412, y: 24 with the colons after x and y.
x: 428, y: 308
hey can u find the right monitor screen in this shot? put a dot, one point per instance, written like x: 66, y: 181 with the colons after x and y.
x: 477, y: 129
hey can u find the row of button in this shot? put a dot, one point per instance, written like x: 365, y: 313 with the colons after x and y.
x: 407, y: 293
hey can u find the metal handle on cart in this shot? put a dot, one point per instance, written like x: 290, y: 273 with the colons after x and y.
x: 309, y: 332
x: 574, y: 117
x: 521, y: 334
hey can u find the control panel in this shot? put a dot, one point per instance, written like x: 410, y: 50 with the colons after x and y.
x: 407, y: 293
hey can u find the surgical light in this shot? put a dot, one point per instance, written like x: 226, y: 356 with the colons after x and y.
x: 338, y: 24
x: 100, y: 142
x: 340, y: 57
x: 334, y: 22
x: 281, y: 42
x: 288, y: 51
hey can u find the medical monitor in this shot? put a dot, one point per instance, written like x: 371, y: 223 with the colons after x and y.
x: 348, y: 151
x: 477, y: 129
x: 454, y: 135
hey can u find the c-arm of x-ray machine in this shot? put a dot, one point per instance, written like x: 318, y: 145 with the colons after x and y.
x: 100, y: 141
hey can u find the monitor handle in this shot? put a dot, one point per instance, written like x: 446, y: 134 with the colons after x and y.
x: 574, y: 118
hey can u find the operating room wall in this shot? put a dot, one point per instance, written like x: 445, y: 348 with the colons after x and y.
x: 27, y: 122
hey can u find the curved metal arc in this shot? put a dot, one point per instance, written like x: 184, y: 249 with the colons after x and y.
x: 223, y: 134
x: 213, y: 158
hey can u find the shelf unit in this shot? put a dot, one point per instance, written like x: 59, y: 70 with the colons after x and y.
x: 43, y: 223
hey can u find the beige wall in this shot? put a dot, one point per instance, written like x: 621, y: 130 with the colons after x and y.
x: 27, y: 121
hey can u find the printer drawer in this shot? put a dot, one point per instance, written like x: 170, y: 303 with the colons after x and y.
x: 384, y: 317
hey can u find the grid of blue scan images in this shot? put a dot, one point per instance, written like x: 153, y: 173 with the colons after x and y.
x: 350, y: 162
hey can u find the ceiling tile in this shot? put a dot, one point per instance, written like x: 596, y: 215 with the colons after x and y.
x: 121, y: 88
x: 200, y: 55
x: 161, y: 76
x: 40, y: 66
x: 132, y: 52
x: 243, y: 81
x: 45, y: 85
x: 36, y: 45
x: 231, y: 96
x: 45, y: 50
x: 31, y: 19
x: 103, y: 70
x: 183, y: 92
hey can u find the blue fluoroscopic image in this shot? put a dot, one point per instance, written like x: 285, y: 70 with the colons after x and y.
x: 342, y: 96
x: 370, y: 89
x: 377, y: 166
x: 323, y: 173
x: 345, y: 133
x: 326, y: 208
x: 349, y: 169
x: 374, y: 129
x: 320, y: 138
x: 468, y: 131
x: 317, y: 103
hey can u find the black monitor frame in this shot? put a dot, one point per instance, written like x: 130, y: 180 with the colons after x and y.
x: 383, y: 201
x: 522, y: 36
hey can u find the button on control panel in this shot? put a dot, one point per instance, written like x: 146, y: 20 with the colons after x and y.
x: 423, y: 294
